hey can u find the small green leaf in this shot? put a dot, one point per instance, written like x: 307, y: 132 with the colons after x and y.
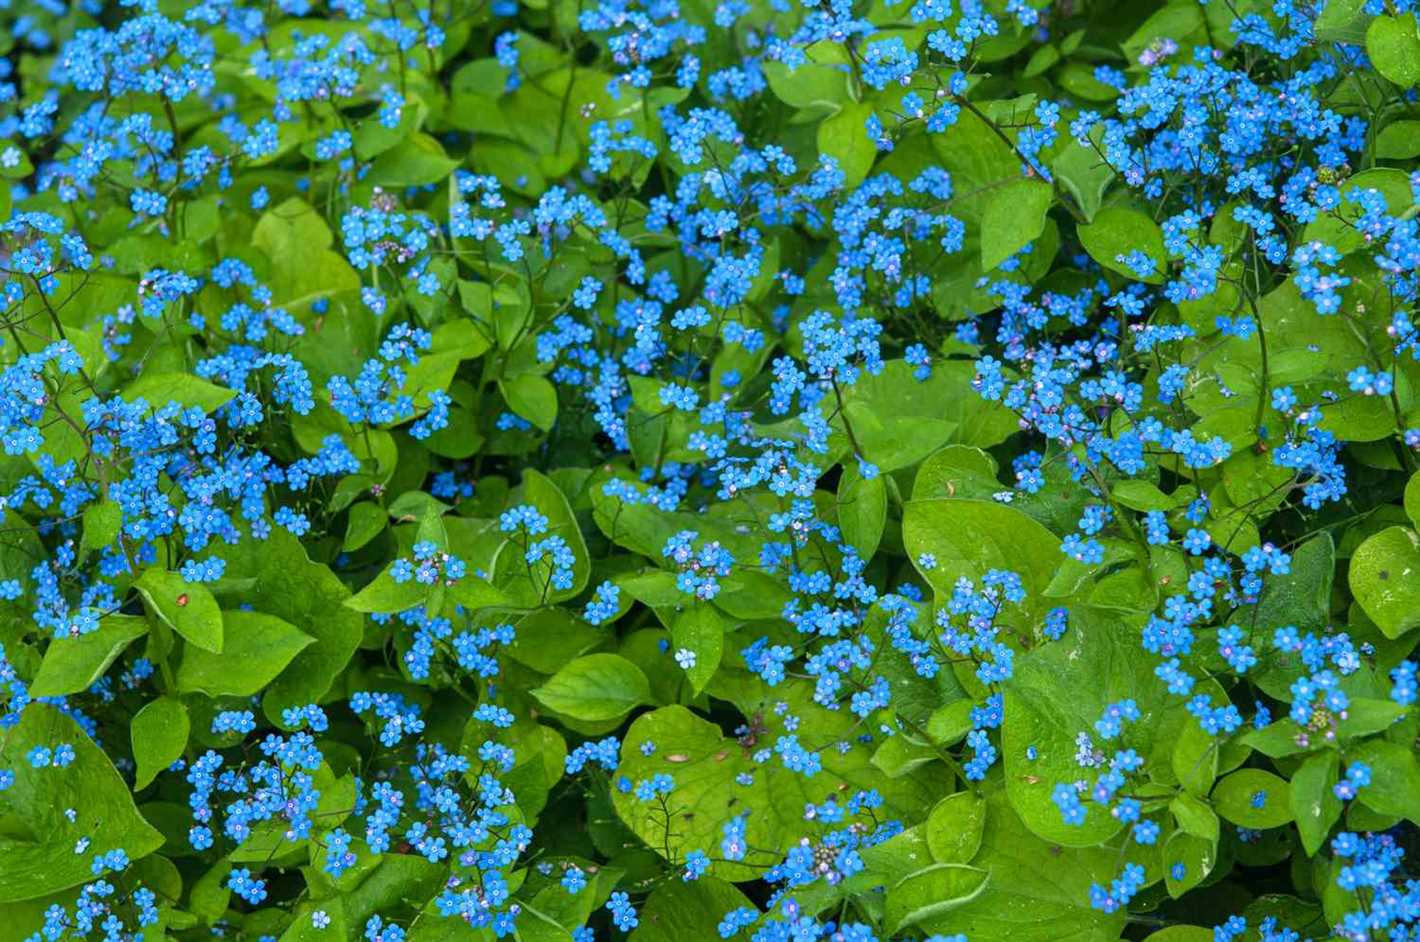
x: 189, y: 607
x: 595, y: 687
x: 862, y: 510
x: 367, y: 520
x: 1314, y: 806
x: 159, y: 735
x: 384, y: 595
x: 699, y: 629
x: 844, y: 137
x: 101, y: 525
x: 1254, y: 799
x: 160, y: 389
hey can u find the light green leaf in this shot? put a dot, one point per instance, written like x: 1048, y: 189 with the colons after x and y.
x: 101, y: 525
x: 955, y: 827
x: 1254, y: 799
x: 595, y: 687
x: 37, y: 850
x: 969, y: 537
x: 932, y: 893
x: 844, y: 137
x: 1385, y: 579
x: 189, y: 607
x: 384, y: 594
x: 159, y: 389
x: 677, y: 911
x: 699, y: 629
x: 1314, y: 806
x: 72, y: 665
x: 1116, y: 232
x: 1393, y: 44
x: 533, y: 397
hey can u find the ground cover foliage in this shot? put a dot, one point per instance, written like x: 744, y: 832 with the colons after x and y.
x: 576, y: 470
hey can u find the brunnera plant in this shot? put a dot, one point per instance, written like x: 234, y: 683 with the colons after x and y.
x: 574, y: 470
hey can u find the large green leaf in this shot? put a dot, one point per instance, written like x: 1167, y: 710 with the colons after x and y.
x: 1059, y: 691
x: 1385, y: 579
x: 258, y: 647
x: 37, y: 850
x: 72, y: 665
x: 595, y: 687
x: 711, y: 772
x: 189, y: 607
x: 309, y: 596
x: 969, y: 537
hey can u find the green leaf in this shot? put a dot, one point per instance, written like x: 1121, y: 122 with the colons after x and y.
x: 1395, y: 778
x: 1188, y: 859
x: 1412, y: 487
x: 1399, y: 140
x: 72, y: 665
x: 385, y: 595
x: 1116, y: 232
x: 101, y: 525
x: 417, y: 160
x: 1195, y: 759
x: 1315, y: 807
x: 1385, y: 579
x: 932, y: 893
x: 1014, y: 218
x: 1343, y: 21
x: 159, y: 736
x: 304, y: 269
x: 717, y: 778
x: 1302, y: 597
x: 1084, y: 173
x: 595, y: 687
x: 257, y: 649
x: 532, y: 585
x: 1037, y: 892
x: 955, y: 827
x: 188, y: 607
x: 1254, y: 799
x: 533, y: 397
x: 969, y: 537
x: 844, y: 137
x: 862, y: 510
x: 367, y: 521
x: 159, y: 389
x: 1181, y: 934
x: 289, y: 585
x: 1393, y: 44
x: 677, y: 910
x: 699, y: 629
x: 1047, y: 704
x: 807, y: 86
x: 42, y: 861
